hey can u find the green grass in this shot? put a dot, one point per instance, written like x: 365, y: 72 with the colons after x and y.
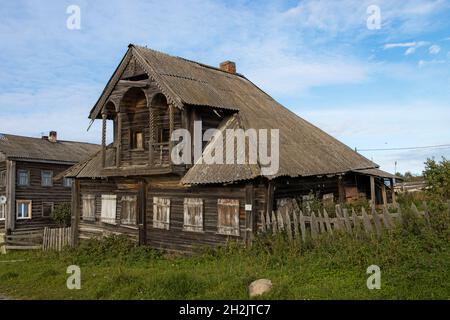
x: 414, y: 261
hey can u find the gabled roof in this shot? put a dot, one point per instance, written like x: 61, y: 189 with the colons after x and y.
x: 27, y: 148
x: 305, y: 150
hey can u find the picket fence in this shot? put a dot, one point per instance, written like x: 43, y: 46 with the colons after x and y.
x: 56, y: 238
x: 291, y: 219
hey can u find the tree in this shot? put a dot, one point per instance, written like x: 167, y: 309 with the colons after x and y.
x: 437, y: 178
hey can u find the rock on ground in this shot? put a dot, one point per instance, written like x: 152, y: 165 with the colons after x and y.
x: 259, y: 287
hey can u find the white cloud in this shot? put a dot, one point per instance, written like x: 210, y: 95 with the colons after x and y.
x: 399, y: 45
x: 434, y: 49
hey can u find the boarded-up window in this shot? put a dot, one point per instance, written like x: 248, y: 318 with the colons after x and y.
x: 108, y: 213
x: 88, y: 209
x: 2, y: 211
x: 47, y: 209
x: 129, y: 208
x: 228, y: 216
x: 193, y: 215
x: 161, y: 213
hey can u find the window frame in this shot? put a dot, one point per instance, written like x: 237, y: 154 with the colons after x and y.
x: 64, y: 182
x: 85, y: 198
x: 30, y: 209
x: 128, y: 199
x: 52, y: 205
x: 229, y: 230
x: 3, y: 211
x: 2, y: 178
x: 134, y: 139
x: 25, y: 171
x: 191, y: 203
x: 43, y: 172
x: 104, y: 218
x: 161, y: 202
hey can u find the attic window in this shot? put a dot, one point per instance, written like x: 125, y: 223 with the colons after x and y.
x: 228, y: 217
x: 193, y: 215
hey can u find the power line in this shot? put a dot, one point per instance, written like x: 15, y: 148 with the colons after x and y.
x: 440, y: 146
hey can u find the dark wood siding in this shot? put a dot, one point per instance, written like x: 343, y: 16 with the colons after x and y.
x: 2, y: 191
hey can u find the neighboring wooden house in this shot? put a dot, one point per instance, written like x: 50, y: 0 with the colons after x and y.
x: 27, y: 168
x: 133, y: 187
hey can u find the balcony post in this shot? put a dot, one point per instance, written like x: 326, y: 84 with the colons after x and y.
x: 171, y: 128
x: 104, y: 139
x: 151, y: 138
x: 119, y: 139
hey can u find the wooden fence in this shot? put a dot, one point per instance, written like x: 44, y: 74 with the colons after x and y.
x: 56, y: 238
x: 291, y: 219
x: 44, y: 239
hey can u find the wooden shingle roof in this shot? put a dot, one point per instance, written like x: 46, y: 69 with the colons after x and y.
x: 305, y: 150
x: 27, y: 148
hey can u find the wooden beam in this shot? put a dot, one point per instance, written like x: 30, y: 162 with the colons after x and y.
x: 104, y: 116
x: 341, y: 189
x: 75, y: 208
x: 171, y: 128
x: 394, y: 200
x: 383, y: 193
x: 119, y: 140
x: 142, y: 216
x: 10, y: 219
x: 151, y: 139
x: 269, y: 197
x: 372, y: 190
x: 250, y: 214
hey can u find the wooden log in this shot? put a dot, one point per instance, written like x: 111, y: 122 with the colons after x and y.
x: 287, y: 220
x: 313, y: 225
x: 376, y: 220
x: 327, y: 221
x: 348, y: 225
x: 302, y: 226
x: 366, y: 221
x: 274, y: 224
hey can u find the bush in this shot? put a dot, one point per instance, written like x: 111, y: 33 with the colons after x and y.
x: 437, y: 177
x: 61, y: 214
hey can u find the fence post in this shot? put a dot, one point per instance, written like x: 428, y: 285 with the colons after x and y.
x: 327, y: 221
x: 274, y: 223
x: 376, y: 220
x: 366, y: 221
x: 313, y: 225
x: 288, y: 222
x: 348, y: 226
x: 302, y: 226
x: 263, y: 222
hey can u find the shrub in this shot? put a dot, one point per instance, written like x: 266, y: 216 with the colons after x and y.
x: 61, y: 214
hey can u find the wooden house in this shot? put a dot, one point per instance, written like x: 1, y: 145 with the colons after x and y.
x: 28, y: 191
x: 133, y: 186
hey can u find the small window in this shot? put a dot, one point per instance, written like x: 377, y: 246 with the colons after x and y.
x: 193, y: 215
x: 2, y: 211
x: 23, y: 177
x: 138, y: 140
x: 161, y: 213
x: 23, y: 209
x: 67, y: 182
x: 2, y: 178
x: 46, y: 178
x: 228, y: 216
x: 129, y: 209
x: 47, y: 209
x: 108, y: 213
x: 88, y: 207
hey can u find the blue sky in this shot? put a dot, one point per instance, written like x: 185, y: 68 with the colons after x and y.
x: 372, y: 89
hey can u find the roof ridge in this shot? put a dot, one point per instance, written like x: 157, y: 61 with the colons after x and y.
x: 36, y: 138
x: 237, y: 74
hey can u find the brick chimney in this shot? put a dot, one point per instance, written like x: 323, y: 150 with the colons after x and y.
x: 53, y: 136
x: 228, y: 66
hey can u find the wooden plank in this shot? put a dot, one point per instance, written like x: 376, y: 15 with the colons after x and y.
x: 313, y: 225
x: 287, y: 220
x: 268, y: 225
x: 321, y: 222
x: 339, y: 224
x: 387, y: 218
x: 376, y: 220
x: 302, y: 225
x: 34, y: 247
x: 366, y: 221
x: 356, y: 224
x: 296, y: 220
x: 274, y: 223
x: 263, y: 222
x: 347, y: 223
x: 372, y: 190
x: 280, y: 220
x: 327, y: 221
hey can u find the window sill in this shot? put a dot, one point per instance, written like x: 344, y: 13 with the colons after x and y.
x: 24, y: 218
x: 227, y: 234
